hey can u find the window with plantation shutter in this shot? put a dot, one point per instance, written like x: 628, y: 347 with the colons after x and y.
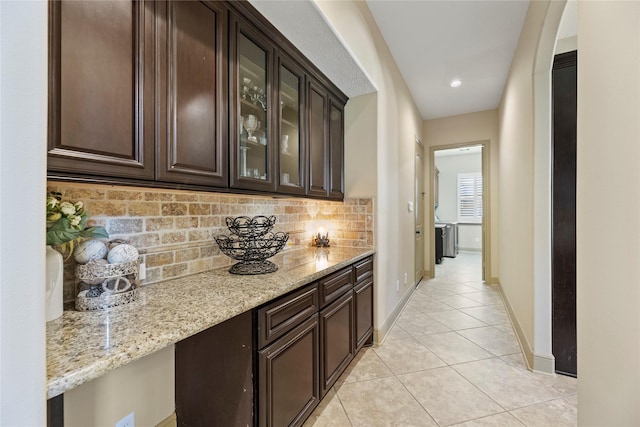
x: 470, y: 197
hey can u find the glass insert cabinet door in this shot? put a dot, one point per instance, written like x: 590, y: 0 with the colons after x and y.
x: 290, y: 153
x: 253, y: 120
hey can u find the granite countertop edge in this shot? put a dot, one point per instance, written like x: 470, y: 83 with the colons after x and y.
x: 83, y: 346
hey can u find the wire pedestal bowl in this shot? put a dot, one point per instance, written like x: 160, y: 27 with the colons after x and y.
x: 251, y: 243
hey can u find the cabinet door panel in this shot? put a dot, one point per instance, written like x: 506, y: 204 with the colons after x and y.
x: 337, y: 344
x: 193, y: 147
x: 214, y: 382
x: 288, y: 377
x: 101, y: 82
x: 363, y: 294
x: 291, y: 149
x: 251, y: 76
x: 318, y: 141
x: 336, y: 148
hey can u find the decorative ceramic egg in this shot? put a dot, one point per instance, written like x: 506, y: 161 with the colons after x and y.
x: 89, y: 250
x: 122, y: 253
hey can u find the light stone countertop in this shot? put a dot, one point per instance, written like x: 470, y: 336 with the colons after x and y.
x: 82, y: 346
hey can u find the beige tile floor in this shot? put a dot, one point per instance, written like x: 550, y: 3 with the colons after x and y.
x: 452, y: 358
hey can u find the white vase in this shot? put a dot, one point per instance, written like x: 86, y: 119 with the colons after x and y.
x: 53, y: 303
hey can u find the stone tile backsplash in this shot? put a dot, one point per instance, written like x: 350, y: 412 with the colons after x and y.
x: 174, y: 229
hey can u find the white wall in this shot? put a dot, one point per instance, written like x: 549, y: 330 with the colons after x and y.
x: 23, y: 125
x: 449, y: 168
x: 397, y: 123
x: 608, y: 192
x: 145, y: 387
x: 469, y: 236
x: 360, y: 177
x: 479, y: 127
x: 516, y: 170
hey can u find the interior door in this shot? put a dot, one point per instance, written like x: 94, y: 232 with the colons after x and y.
x: 419, y: 212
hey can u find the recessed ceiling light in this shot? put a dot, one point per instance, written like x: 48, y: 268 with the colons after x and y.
x: 455, y: 83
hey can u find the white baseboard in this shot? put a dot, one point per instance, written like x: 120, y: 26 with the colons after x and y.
x: 380, y: 334
x: 544, y: 364
x: 469, y: 249
x: 525, y: 347
x: 170, y: 421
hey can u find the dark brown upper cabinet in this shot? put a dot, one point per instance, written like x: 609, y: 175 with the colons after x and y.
x: 292, y: 143
x: 189, y: 94
x: 101, y: 89
x: 192, y: 93
x: 251, y: 112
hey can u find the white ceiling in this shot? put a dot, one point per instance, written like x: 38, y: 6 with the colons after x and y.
x: 432, y: 41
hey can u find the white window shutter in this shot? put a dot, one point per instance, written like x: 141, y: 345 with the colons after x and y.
x: 469, y: 197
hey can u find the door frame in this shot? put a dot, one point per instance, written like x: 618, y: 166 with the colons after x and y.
x: 419, y: 199
x: 486, y: 206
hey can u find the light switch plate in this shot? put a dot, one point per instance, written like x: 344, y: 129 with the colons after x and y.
x: 410, y: 206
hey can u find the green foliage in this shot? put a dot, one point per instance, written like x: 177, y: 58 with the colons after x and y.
x: 67, y: 223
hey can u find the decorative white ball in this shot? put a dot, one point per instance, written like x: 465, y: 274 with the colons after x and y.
x: 122, y: 253
x: 89, y: 250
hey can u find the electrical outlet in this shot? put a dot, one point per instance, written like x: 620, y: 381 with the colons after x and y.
x: 142, y: 271
x: 127, y: 421
x: 397, y: 285
x: 405, y: 278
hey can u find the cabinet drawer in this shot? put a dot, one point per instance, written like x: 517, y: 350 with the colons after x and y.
x: 363, y: 269
x: 333, y: 286
x: 277, y: 318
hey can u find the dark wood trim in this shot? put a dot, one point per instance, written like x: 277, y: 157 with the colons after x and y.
x: 567, y: 59
x: 53, y: 125
x: 563, y: 213
x: 55, y: 411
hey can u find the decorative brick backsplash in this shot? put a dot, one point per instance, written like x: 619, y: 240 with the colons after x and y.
x: 174, y: 229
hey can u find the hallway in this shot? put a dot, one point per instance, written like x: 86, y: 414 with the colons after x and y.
x: 452, y: 358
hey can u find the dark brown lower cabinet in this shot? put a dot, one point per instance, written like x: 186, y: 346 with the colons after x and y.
x: 337, y: 346
x: 270, y: 366
x: 214, y: 375
x: 288, y: 377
